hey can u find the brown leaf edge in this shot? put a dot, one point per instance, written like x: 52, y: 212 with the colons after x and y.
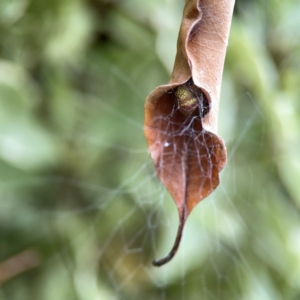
x: 187, y: 153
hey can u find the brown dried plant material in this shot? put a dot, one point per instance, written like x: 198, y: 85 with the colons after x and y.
x: 181, y: 117
x: 19, y: 263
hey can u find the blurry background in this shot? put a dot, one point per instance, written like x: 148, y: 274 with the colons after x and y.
x: 82, y: 214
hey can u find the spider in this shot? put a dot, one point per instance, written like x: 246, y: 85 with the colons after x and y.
x: 191, y: 100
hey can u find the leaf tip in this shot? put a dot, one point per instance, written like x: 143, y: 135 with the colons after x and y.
x: 166, y: 259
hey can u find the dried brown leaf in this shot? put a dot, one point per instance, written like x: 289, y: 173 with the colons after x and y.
x: 181, y: 117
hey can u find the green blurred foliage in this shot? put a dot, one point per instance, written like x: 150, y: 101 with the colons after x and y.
x: 77, y: 183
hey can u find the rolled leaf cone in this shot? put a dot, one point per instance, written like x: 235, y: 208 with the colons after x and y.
x: 187, y: 153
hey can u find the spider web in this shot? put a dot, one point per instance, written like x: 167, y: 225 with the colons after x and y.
x: 88, y: 203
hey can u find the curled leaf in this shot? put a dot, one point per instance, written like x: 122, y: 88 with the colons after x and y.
x: 181, y: 117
